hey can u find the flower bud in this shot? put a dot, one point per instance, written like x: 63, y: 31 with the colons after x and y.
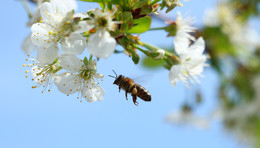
x: 160, y: 55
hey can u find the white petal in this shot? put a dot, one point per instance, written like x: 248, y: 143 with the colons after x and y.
x: 174, y: 74
x: 92, y: 92
x: 27, y: 45
x: 40, y: 34
x: 64, y: 6
x: 70, y: 63
x: 198, y: 47
x: 101, y: 44
x: 73, y: 44
x: 48, y: 11
x: 68, y: 83
x: 181, y: 42
x: 47, y: 55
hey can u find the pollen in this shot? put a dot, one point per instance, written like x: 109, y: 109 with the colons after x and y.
x: 24, y: 65
x: 33, y: 86
x: 26, y: 76
x: 90, y: 98
x: 64, y: 84
x: 70, y: 89
x: 26, y: 71
x: 49, y: 90
x: 67, y: 94
x: 26, y: 59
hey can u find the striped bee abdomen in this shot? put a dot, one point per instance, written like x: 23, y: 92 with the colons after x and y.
x: 143, y: 93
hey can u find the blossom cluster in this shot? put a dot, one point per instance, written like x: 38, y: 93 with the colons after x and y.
x: 60, y: 35
x: 60, y: 27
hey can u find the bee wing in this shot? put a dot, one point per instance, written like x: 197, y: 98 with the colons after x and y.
x: 143, y: 80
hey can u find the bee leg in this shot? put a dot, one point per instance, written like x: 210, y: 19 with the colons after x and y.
x: 126, y: 95
x: 119, y: 88
x: 134, y: 99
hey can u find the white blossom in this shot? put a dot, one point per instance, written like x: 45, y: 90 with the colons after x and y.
x: 191, y: 61
x: 81, y: 77
x: 211, y: 18
x: 187, y: 118
x: 45, y: 66
x: 184, y: 26
x: 59, y: 26
x: 100, y: 43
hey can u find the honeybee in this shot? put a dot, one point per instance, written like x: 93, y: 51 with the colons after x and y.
x: 130, y: 86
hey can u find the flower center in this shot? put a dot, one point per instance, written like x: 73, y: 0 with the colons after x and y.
x: 102, y: 22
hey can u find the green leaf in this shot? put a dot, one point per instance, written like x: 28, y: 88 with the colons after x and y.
x: 141, y: 25
x: 151, y: 63
x: 127, y: 20
x: 85, y: 61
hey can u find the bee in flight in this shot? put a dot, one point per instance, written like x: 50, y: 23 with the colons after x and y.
x: 130, y: 86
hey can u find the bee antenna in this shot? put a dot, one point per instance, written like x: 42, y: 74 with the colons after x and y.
x: 115, y: 73
x: 112, y: 76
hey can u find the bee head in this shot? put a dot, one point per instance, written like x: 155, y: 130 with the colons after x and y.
x: 118, y: 79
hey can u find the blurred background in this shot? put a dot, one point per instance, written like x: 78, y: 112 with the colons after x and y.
x: 221, y: 111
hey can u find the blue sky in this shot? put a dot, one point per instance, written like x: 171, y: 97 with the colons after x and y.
x: 30, y: 119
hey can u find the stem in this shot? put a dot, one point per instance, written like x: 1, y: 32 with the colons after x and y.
x: 27, y: 9
x: 154, y: 2
x: 159, y: 28
x: 150, y: 47
x: 142, y: 50
x: 167, y: 53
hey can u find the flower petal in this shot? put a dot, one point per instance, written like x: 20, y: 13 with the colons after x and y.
x: 92, y: 92
x: 181, y: 42
x: 47, y: 55
x: 198, y: 47
x: 64, y: 6
x: 101, y: 44
x: 48, y: 12
x: 40, y: 34
x: 73, y: 44
x: 27, y: 45
x: 174, y: 74
x: 70, y: 63
x: 68, y: 83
